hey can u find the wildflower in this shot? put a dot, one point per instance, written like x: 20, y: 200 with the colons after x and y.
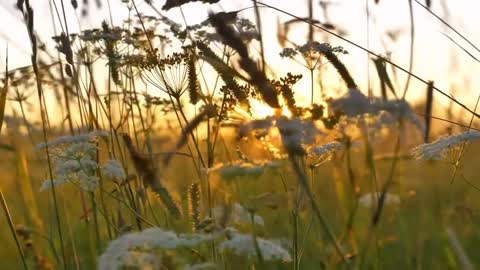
x: 245, y: 30
x: 326, y: 148
x: 168, y: 74
x: 74, y: 139
x: 201, y: 266
x: 310, y: 48
x: 113, y: 169
x: 311, y: 52
x: 74, y: 160
x: 353, y: 103
x: 238, y: 214
x: 369, y: 200
x: 288, y: 52
x: 439, y: 148
x: 148, y: 241
x: 257, y: 125
x: 295, y: 133
x: 316, y: 47
x: 399, y: 109
x: 97, y: 35
x: 138, y: 260
x: 243, y: 245
x: 76, y: 163
x: 243, y: 169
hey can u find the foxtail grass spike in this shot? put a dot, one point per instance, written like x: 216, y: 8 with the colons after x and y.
x: 257, y: 77
x: 341, y: 68
x: 193, y: 85
x: 150, y: 176
x: 225, y: 72
x: 194, y: 205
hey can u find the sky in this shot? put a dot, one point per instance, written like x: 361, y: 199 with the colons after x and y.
x: 435, y: 56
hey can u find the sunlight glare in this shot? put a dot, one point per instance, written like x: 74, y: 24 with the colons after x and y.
x: 262, y: 110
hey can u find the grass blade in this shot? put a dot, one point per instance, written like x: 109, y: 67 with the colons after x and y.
x: 3, y: 93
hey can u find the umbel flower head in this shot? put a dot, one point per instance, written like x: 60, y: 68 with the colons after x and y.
x: 439, y: 148
x: 243, y: 245
x: 238, y: 215
x: 369, y: 200
x: 326, y: 148
x: 113, y: 169
x: 140, y: 247
x: 311, y: 52
x: 74, y: 160
x: 294, y: 132
x: 243, y: 169
x: 354, y: 103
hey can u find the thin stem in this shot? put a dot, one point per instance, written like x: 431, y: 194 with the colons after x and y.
x: 12, y: 229
x: 304, y: 183
x: 311, y: 87
x: 259, y: 25
x: 412, y: 46
x: 379, y: 206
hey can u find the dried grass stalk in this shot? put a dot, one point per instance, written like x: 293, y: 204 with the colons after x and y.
x: 208, y: 111
x: 193, y: 85
x: 146, y: 168
x: 257, y: 77
x: 341, y: 68
x: 194, y: 205
x: 385, y: 81
x: 225, y: 72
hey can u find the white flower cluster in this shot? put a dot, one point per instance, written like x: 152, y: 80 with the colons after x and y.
x: 201, y: 266
x: 243, y: 169
x: 238, y: 215
x: 138, y: 249
x: 244, y: 28
x: 139, y: 260
x: 398, y: 109
x: 243, y: 245
x: 326, y: 148
x: 74, y: 160
x: 296, y: 132
x: 312, y: 48
x: 113, y: 169
x: 91, y: 136
x: 354, y: 103
x: 119, y: 252
x: 370, y: 200
x: 439, y: 148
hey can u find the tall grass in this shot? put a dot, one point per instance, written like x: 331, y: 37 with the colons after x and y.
x: 180, y: 147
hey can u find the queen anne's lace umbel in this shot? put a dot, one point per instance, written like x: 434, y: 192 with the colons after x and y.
x: 74, y: 160
x: 146, y: 242
x: 439, y: 148
x: 243, y: 245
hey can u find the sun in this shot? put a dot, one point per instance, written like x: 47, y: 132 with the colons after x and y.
x: 261, y: 110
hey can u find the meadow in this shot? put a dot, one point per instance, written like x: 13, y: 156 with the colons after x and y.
x: 162, y: 144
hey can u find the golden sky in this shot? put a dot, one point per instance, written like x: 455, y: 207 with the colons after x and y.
x: 436, y: 58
